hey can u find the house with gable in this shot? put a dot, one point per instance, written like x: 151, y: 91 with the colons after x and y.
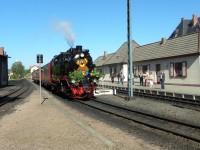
x: 33, y: 68
x: 114, y: 63
x: 186, y: 26
x: 178, y: 56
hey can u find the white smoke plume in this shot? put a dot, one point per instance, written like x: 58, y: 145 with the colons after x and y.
x: 64, y: 28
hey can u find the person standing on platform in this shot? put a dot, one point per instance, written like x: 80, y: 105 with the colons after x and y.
x: 122, y: 78
x: 141, y: 79
x: 118, y: 77
x: 112, y: 77
x: 151, y: 80
x: 146, y: 78
x: 162, y: 80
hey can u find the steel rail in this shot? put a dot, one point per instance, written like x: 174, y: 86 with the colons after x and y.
x: 14, y: 94
x: 152, y: 121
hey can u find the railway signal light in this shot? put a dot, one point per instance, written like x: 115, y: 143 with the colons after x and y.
x: 40, y: 58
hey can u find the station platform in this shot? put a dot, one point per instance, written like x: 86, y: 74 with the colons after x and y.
x: 185, y: 92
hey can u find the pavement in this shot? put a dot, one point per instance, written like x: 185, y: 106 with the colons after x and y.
x: 57, y: 126
x: 54, y: 125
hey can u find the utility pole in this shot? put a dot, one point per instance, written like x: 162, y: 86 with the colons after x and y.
x: 130, y: 51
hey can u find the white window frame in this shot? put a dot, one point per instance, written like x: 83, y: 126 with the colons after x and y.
x: 172, y: 71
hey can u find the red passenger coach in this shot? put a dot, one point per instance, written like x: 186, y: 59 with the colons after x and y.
x: 71, y: 73
x: 35, y: 76
x: 46, y: 75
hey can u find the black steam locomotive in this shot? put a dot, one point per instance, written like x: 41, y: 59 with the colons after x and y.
x: 71, y: 73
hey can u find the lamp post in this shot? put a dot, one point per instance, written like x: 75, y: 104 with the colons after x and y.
x: 130, y: 51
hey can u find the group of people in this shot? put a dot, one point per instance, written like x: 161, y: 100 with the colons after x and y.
x: 120, y: 77
x: 147, y: 79
x: 150, y: 79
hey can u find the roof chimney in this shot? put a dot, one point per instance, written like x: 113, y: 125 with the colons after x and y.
x: 194, y: 20
x: 104, y: 55
x: 163, y: 41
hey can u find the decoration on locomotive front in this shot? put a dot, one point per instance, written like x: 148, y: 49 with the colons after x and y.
x: 79, y: 76
x: 81, y: 65
x: 81, y: 61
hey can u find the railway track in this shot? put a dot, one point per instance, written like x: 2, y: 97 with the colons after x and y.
x: 181, y: 129
x: 20, y: 89
x: 178, y: 101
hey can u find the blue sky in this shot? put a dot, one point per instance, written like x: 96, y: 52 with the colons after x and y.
x: 27, y: 27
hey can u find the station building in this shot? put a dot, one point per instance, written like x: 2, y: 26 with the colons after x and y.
x: 3, y: 67
x: 178, y: 57
x: 33, y: 68
x: 114, y: 63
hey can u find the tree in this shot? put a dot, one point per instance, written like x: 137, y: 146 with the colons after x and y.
x: 27, y: 73
x: 18, y: 70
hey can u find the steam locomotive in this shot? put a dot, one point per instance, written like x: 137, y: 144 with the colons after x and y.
x: 71, y: 73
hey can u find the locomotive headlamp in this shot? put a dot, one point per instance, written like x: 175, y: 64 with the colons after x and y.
x: 82, y: 55
x: 76, y: 56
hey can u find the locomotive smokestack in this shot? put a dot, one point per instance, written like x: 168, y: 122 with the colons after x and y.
x: 79, y: 47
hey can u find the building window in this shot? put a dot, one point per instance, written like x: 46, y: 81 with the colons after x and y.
x: 135, y: 71
x: 158, y: 69
x: 184, y: 69
x: 110, y: 70
x: 178, y: 69
x: 145, y: 68
x: 171, y: 70
x: 115, y: 70
x: 140, y: 69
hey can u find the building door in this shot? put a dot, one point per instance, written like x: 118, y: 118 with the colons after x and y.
x: 158, y: 72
